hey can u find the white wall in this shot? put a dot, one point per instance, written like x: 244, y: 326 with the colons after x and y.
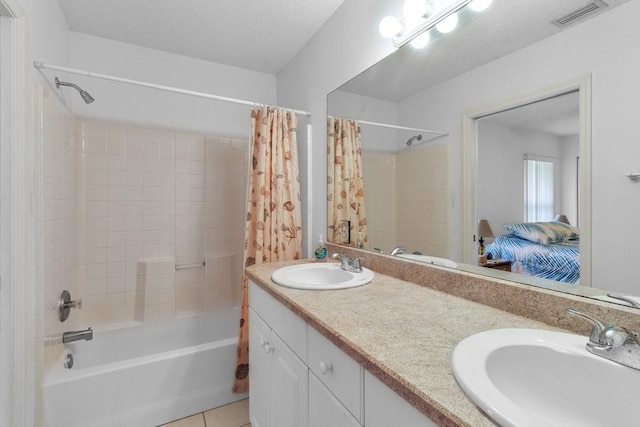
x: 569, y: 151
x: 500, y: 176
x: 351, y: 106
x: 46, y: 38
x: 606, y: 48
x: 117, y: 102
x: 346, y: 44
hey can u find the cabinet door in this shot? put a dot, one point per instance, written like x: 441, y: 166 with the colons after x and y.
x: 258, y: 367
x: 288, y: 379
x: 384, y: 408
x: 324, y: 409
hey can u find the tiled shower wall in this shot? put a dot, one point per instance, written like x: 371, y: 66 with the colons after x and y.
x: 118, y: 208
x: 380, y: 200
x: 422, y: 198
x: 406, y: 196
x: 152, y: 202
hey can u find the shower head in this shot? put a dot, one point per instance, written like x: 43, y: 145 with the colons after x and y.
x: 414, y: 138
x: 83, y: 93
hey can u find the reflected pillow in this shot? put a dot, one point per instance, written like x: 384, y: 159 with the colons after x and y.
x: 570, y: 232
x: 544, y: 233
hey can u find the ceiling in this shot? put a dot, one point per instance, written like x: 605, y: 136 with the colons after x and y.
x: 479, y: 39
x: 259, y: 35
x: 558, y: 116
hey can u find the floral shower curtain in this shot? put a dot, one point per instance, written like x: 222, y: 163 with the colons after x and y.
x: 273, y: 227
x: 346, y: 216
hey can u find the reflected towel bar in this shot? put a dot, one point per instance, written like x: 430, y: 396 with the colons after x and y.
x: 185, y: 266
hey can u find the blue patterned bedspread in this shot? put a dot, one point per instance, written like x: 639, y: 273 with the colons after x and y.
x: 558, y: 261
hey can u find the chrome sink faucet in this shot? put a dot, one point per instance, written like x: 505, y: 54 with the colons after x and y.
x: 398, y: 250
x: 612, y: 342
x: 348, y: 264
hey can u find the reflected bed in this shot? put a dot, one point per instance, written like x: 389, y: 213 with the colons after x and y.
x: 555, y: 261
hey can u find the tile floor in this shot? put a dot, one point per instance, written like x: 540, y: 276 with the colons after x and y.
x: 232, y: 415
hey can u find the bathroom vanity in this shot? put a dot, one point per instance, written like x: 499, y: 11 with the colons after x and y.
x: 300, y: 378
x: 380, y: 354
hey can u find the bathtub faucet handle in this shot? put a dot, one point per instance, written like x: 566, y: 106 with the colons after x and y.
x: 76, y: 303
x: 65, y: 304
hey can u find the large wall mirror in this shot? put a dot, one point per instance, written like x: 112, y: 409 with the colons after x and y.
x: 495, y: 124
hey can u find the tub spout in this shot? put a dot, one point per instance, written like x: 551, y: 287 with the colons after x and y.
x: 85, y: 334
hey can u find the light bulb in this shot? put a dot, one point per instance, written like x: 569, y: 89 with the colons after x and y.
x: 448, y: 24
x: 479, y: 5
x: 390, y: 27
x: 414, y: 8
x: 421, y: 41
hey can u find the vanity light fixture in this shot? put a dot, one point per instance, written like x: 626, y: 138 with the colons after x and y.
x: 420, y: 16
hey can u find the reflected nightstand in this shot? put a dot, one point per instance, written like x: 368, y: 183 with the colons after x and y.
x: 498, y: 264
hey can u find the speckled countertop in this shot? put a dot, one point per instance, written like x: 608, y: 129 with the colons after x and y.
x: 401, y: 332
x: 403, y: 326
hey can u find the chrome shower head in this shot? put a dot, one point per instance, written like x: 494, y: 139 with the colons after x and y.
x: 83, y: 93
x: 414, y: 138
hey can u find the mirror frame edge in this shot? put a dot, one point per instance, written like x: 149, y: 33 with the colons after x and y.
x: 469, y: 153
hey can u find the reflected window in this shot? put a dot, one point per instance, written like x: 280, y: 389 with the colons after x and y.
x: 538, y: 188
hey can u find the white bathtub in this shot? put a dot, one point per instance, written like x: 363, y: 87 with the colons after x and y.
x: 145, y: 375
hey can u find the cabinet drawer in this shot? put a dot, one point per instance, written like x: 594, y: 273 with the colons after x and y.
x: 338, y: 372
x: 288, y: 326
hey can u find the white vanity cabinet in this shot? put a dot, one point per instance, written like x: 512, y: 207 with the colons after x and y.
x: 278, y: 387
x: 325, y: 410
x: 298, y: 378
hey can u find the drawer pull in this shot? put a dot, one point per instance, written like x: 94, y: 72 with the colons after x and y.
x: 325, y: 367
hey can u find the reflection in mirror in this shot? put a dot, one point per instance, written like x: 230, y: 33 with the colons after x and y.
x: 347, y: 219
x: 427, y: 195
x: 526, y: 177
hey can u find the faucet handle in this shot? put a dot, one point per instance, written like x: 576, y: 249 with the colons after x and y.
x: 355, y: 265
x: 76, y: 303
x: 630, y: 301
x: 598, y: 327
x: 65, y: 304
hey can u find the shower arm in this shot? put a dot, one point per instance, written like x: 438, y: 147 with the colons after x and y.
x: 59, y: 83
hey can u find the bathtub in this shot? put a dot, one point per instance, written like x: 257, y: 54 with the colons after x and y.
x: 145, y: 375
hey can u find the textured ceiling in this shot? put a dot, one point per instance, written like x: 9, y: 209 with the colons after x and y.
x: 260, y: 35
x: 479, y: 39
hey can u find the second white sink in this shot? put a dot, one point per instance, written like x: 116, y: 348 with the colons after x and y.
x: 320, y: 276
x: 528, y: 377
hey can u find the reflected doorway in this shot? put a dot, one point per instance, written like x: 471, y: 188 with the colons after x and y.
x: 551, y: 129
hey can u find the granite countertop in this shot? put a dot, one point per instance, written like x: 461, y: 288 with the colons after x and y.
x: 401, y: 332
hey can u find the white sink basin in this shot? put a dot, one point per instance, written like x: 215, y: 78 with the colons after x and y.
x: 527, y: 377
x: 319, y: 276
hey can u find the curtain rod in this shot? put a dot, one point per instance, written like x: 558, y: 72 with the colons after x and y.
x: 41, y: 65
x: 385, y: 125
